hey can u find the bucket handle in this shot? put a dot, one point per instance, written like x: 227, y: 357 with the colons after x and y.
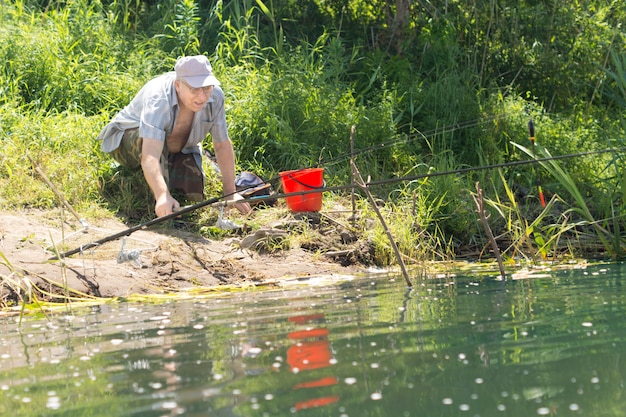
x: 291, y: 177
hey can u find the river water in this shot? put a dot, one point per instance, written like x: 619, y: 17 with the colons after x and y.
x: 464, y: 345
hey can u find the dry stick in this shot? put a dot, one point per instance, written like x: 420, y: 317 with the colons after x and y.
x: 57, y: 192
x: 478, y: 199
x: 352, y: 130
x: 361, y: 184
x: 531, y: 131
x: 82, y: 221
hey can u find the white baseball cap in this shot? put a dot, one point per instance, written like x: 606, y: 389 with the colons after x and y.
x: 196, y: 71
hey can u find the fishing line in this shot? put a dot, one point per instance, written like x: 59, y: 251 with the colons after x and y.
x: 419, y: 135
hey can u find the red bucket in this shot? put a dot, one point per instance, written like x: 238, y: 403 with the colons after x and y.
x: 303, y: 180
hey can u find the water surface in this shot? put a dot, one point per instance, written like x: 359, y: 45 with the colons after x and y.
x: 462, y: 346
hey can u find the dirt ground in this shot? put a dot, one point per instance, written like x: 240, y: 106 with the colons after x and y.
x: 162, y: 260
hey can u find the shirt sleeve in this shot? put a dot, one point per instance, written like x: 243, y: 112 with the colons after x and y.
x: 155, y: 116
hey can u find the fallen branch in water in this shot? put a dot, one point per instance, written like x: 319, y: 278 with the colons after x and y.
x: 363, y: 186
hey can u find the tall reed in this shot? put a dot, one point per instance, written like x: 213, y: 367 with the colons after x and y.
x: 578, y: 205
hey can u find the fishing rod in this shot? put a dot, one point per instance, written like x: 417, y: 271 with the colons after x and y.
x: 142, y: 226
x: 180, y: 212
x: 215, y: 201
x: 494, y: 166
x: 411, y: 177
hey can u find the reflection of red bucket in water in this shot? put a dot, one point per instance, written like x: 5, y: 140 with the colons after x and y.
x: 306, y: 356
x: 303, y: 180
x: 316, y: 402
x: 305, y: 318
x: 308, y: 334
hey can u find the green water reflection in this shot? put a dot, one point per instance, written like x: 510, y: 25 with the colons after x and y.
x: 463, y: 346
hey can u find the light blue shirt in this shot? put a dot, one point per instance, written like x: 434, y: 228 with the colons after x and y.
x: 154, y: 110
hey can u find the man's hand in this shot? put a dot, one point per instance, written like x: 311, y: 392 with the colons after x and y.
x: 243, y: 207
x: 166, y: 205
x: 150, y: 155
x: 226, y: 161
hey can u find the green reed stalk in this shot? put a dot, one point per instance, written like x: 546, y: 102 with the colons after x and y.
x: 581, y: 208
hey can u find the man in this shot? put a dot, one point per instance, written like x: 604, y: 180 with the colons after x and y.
x: 162, y: 130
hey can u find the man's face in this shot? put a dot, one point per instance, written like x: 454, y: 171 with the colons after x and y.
x: 192, y: 98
